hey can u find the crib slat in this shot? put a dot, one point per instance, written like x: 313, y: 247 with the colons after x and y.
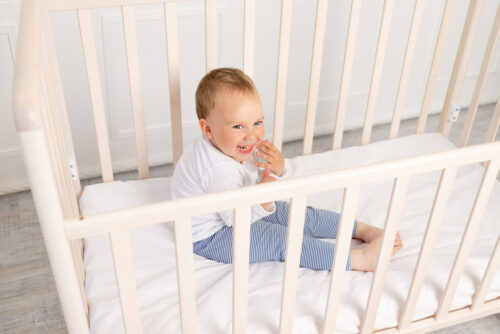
x: 95, y: 89
x: 284, y: 46
x: 390, y: 228
x: 129, y: 29
x: 488, y: 277
x: 461, y: 63
x: 174, y: 85
x: 434, y: 70
x: 211, y: 34
x: 317, y: 53
x: 345, y: 81
x: 405, y: 73
x: 124, y: 273
x: 494, y: 124
x: 295, y: 233
x: 185, y: 274
x: 344, y: 236
x: 435, y: 218
x: 383, y: 37
x: 483, y: 194
x: 487, y: 58
x: 249, y: 37
x: 241, y: 256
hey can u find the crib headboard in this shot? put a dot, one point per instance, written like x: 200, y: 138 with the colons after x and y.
x: 42, y: 120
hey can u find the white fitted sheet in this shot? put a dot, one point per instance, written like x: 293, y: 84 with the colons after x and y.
x: 154, y: 253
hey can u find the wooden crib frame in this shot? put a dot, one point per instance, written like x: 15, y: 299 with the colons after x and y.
x: 43, y: 127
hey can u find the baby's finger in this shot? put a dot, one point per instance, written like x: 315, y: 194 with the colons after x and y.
x: 268, y: 146
x: 265, y: 149
x: 264, y: 155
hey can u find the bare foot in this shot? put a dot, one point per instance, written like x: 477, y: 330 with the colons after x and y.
x: 368, y: 233
x: 364, y: 259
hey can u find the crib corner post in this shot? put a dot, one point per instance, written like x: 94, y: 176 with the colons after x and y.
x: 50, y: 214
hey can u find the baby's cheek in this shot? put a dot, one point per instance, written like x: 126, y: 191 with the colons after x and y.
x: 261, y: 134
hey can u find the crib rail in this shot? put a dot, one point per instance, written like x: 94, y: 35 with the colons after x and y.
x: 42, y: 122
x: 119, y: 222
x: 40, y: 112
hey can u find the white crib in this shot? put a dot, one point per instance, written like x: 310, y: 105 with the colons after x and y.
x: 43, y: 127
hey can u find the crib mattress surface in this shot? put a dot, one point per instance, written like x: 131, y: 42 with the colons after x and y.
x: 154, y: 253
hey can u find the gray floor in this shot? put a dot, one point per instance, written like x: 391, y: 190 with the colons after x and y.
x: 28, y: 299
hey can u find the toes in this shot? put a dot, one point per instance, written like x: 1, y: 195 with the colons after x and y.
x: 396, y: 249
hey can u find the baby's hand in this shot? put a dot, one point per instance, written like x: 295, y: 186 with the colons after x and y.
x: 266, y: 178
x: 275, y: 161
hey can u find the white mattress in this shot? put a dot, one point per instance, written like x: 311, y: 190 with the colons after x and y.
x: 154, y: 255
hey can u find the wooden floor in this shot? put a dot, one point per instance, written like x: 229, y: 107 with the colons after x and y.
x: 28, y: 299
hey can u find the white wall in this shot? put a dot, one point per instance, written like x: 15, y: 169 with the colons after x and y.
x: 150, y: 25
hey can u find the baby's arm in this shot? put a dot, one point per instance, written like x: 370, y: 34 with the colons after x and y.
x: 266, y: 178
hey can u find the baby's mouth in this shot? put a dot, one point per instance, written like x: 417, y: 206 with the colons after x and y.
x: 246, y: 149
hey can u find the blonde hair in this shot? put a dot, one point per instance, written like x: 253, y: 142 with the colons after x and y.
x: 215, y: 81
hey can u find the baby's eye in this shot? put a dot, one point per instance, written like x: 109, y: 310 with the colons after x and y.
x: 258, y: 123
x: 239, y: 126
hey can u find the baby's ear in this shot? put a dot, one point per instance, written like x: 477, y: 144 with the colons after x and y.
x: 205, y: 128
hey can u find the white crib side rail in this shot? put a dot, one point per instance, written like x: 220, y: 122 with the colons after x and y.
x: 28, y: 100
x: 40, y: 111
x: 262, y: 193
x: 350, y: 179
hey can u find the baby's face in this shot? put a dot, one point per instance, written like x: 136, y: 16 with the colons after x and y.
x: 235, y: 125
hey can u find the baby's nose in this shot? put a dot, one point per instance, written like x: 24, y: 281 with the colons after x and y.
x: 250, y: 135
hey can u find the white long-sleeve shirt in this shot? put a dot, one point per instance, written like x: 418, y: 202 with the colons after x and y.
x: 204, y: 169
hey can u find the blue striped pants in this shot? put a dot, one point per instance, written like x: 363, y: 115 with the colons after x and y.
x: 268, y: 239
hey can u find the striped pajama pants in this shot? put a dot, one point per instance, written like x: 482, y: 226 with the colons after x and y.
x: 268, y: 239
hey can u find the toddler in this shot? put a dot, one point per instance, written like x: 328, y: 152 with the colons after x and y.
x: 226, y: 157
